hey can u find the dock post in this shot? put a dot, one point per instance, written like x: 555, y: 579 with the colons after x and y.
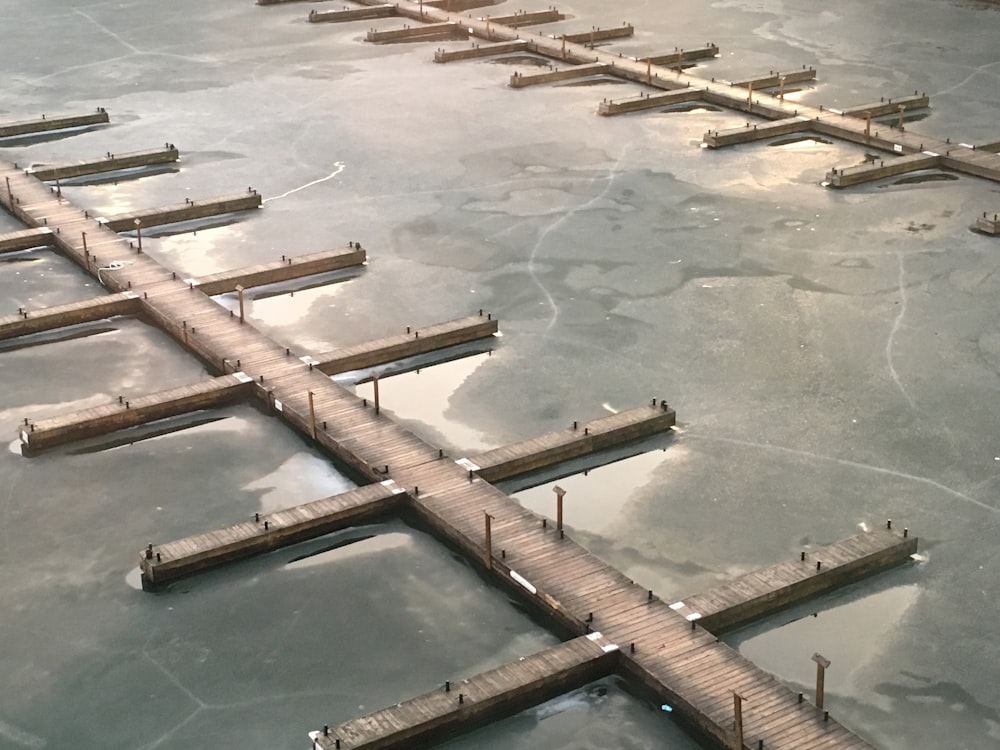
x: 868, y: 127
x: 738, y: 721
x: 821, y: 664
x: 10, y: 193
x: 138, y: 233
x: 563, y: 53
x: 781, y: 89
x: 750, y: 96
x: 902, y: 111
x: 488, y: 544
x: 239, y: 294
x: 375, y: 386
x: 559, y: 506
x: 649, y: 71
x: 312, y: 416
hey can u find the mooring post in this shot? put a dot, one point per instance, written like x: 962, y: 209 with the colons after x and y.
x: 902, y: 111
x: 868, y: 127
x: 738, y: 721
x: 559, y: 506
x: 488, y: 545
x: 10, y: 193
x: 821, y: 664
x: 750, y: 96
x: 312, y: 416
x: 239, y: 295
x: 138, y: 232
x: 563, y: 54
x: 781, y: 89
x: 58, y: 189
x: 649, y: 71
x: 375, y: 386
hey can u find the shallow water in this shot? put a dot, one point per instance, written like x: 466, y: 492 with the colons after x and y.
x: 832, y: 356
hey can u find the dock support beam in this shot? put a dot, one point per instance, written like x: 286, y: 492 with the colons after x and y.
x: 821, y: 664
x: 738, y: 721
x: 488, y: 544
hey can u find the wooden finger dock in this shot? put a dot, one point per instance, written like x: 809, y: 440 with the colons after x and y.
x: 189, y: 210
x: 27, y: 322
x: 25, y: 239
x: 48, y: 123
x: 110, y: 163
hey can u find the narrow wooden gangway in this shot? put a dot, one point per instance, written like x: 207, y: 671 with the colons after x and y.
x: 109, y: 163
x: 409, y: 344
x: 48, y: 123
x: 578, y: 440
x: 25, y: 239
x: 27, y: 322
x: 267, y: 532
x: 189, y: 210
x: 465, y: 704
x: 814, y: 572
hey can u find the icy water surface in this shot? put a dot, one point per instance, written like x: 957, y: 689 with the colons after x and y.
x: 833, y: 358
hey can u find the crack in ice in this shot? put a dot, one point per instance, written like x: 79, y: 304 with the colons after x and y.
x: 340, y: 166
x: 894, y: 330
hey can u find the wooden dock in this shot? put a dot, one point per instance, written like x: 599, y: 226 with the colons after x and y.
x: 409, y: 344
x: 189, y: 210
x: 25, y: 239
x: 575, y: 441
x: 411, y: 33
x: 756, y: 132
x: 814, y: 572
x: 520, y: 81
x: 164, y: 563
x: 132, y: 411
x: 27, y: 322
x: 289, y: 267
x: 345, y: 15
x: 58, y: 122
x: 463, y: 705
x: 672, y: 59
x: 477, y: 51
x: 878, y: 170
x: 853, y: 124
x: 109, y: 163
x: 643, y: 102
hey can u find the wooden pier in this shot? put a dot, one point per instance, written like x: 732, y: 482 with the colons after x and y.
x: 27, y: 322
x: 526, y: 18
x: 672, y: 59
x: 463, y: 705
x: 520, y: 81
x: 58, y: 122
x: 853, y: 124
x: 25, y: 239
x: 189, y: 210
x: 411, y: 33
x: 347, y: 14
x: 756, y: 132
x: 289, y: 267
x: 110, y: 163
x: 478, y: 51
x: 891, y: 167
x: 814, y: 572
x: 643, y: 102
x: 409, y: 344
x: 267, y: 532
x: 130, y: 412
x: 575, y: 441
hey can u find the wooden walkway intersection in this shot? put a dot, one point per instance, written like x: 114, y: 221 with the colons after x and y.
x: 667, y: 650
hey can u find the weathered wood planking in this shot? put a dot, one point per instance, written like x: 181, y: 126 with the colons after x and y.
x: 290, y: 267
x: 411, y: 343
x: 756, y: 132
x: 526, y: 18
x: 816, y: 571
x: 681, y: 56
x: 416, y: 32
x: 162, y: 563
x: 59, y: 316
x: 579, y: 440
x: 187, y: 211
x: 893, y: 167
x: 58, y: 122
x: 48, y: 433
x: 520, y: 81
x: 25, y: 239
x: 345, y: 15
x: 109, y: 163
x: 891, y: 107
x: 647, y: 101
x: 774, y: 80
x: 471, y: 702
x: 477, y: 51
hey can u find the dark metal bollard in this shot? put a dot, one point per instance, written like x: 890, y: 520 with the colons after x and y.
x: 803, y: 558
x: 631, y: 647
x: 256, y: 517
x: 447, y: 686
x: 818, y: 565
x: 888, y: 524
x: 826, y: 716
x: 326, y: 730
x: 267, y: 525
x: 906, y: 533
x: 149, y: 552
x: 461, y: 698
x: 649, y: 595
x: 802, y: 697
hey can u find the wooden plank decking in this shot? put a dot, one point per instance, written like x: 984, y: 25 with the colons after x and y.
x: 109, y: 163
x: 57, y: 122
x: 288, y: 268
x: 58, y: 316
x: 573, y: 442
x: 409, y: 344
x: 130, y: 412
x: 187, y: 211
x: 763, y: 592
x: 25, y: 239
x: 464, y: 704
x: 163, y: 563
